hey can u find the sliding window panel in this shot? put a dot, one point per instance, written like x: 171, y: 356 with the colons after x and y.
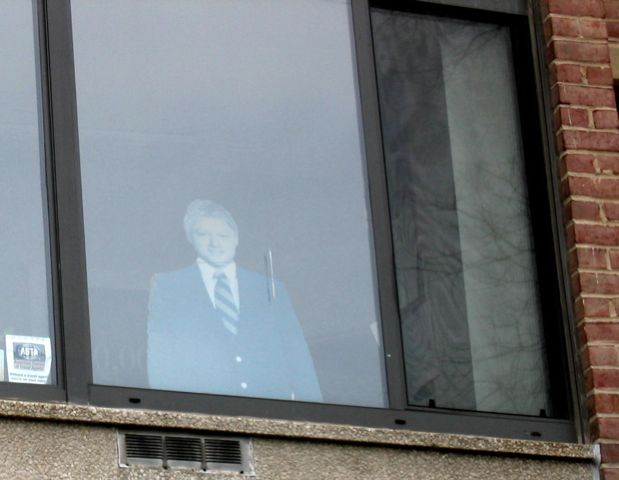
x: 228, y: 233
x: 465, y: 257
x: 26, y: 320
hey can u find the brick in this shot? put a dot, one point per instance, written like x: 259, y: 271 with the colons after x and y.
x: 605, y: 378
x: 604, y: 355
x: 612, y: 27
x: 590, y: 404
x: 578, y: 163
x: 608, y: 332
x: 614, y: 259
x: 581, y: 337
x: 570, y: 235
x: 599, y: 187
x: 611, y: 8
x: 585, y: 363
x: 610, y: 473
x: 599, y: 283
x: 547, y: 29
x: 573, y: 117
x: 611, y: 210
x: 589, y: 8
x: 594, y: 429
x: 610, y: 451
x: 596, y: 307
x: 564, y: 188
x: 596, y: 234
x: 554, y: 94
x: 558, y: 121
x: 579, y: 313
x: 560, y: 148
x: 599, y: 76
x: 591, y: 140
x: 579, y: 51
x: 561, y: 26
x: 588, y: 380
x: 605, y: 119
x: 572, y: 261
x: 583, y: 95
x: 566, y: 72
x: 609, y: 164
x: 582, y: 211
x: 592, y: 28
x: 575, y: 285
x: 591, y: 257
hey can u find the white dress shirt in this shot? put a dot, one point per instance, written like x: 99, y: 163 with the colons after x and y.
x: 208, y: 278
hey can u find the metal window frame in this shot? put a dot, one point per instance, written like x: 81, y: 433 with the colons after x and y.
x: 69, y: 264
x: 542, y: 181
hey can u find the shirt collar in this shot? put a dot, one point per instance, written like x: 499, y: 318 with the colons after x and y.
x: 209, y: 270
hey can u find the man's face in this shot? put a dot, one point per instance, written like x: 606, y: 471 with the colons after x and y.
x: 214, y: 241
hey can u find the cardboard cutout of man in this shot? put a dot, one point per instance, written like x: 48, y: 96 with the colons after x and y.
x: 214, y: 327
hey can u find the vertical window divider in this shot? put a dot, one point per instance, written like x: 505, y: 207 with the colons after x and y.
x: 379, y: 204
x: 48, y: 187
x: 71, y: 262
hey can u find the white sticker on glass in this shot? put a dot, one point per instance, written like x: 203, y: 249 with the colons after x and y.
x: 28, y: 359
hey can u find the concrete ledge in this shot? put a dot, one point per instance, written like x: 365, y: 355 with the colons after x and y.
x: 66, y: 412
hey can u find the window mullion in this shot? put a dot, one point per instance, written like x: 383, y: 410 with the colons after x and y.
x: 394, y: 362
x: 45, y: 128
x: 71, y: 253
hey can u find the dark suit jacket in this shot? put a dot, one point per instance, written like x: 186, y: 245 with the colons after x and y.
x: 190, y: 350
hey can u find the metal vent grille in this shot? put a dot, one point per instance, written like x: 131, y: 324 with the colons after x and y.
x: 146, y: 449
x: 222, y: 452
x: 184, y: 452
x: 207, y: 454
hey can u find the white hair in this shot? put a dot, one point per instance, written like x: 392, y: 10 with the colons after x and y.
x: 207, y: 209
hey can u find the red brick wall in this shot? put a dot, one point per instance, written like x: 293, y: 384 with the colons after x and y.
x: 578, y: 33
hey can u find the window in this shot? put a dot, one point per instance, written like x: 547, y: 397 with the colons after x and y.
x: 25, y: 289
x: 325, y: 210
x: 465, y: 254
x: 267, y: 127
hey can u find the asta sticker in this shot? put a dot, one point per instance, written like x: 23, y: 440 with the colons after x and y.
x: 28, y: 359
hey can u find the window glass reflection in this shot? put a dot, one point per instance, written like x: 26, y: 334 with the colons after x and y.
x: 465, y: 263
x: 252, y: 106
x: 25, y: 319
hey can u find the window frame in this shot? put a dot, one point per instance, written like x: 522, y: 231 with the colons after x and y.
x: 69, y: 282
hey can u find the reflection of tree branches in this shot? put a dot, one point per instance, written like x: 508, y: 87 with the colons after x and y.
x: 400, y: 29
x: 500, y: 235
x: 464, y: 252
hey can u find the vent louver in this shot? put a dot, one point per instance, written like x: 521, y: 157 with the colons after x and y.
x: 146, y: 449
x: 222, y: 451
x: 184, y: 452
x: 208, y: 454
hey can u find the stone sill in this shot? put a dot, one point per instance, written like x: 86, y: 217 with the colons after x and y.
x: 296, y: 430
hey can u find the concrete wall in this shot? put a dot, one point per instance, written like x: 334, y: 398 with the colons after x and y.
x: 42, y: 449
x: 58, y: 440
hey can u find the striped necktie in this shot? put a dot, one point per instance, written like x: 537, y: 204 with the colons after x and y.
x: 225, y: 304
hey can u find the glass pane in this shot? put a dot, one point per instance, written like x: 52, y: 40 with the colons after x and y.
x: 25, y: 308
x: 465, y: 263
x: 223, y: 137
